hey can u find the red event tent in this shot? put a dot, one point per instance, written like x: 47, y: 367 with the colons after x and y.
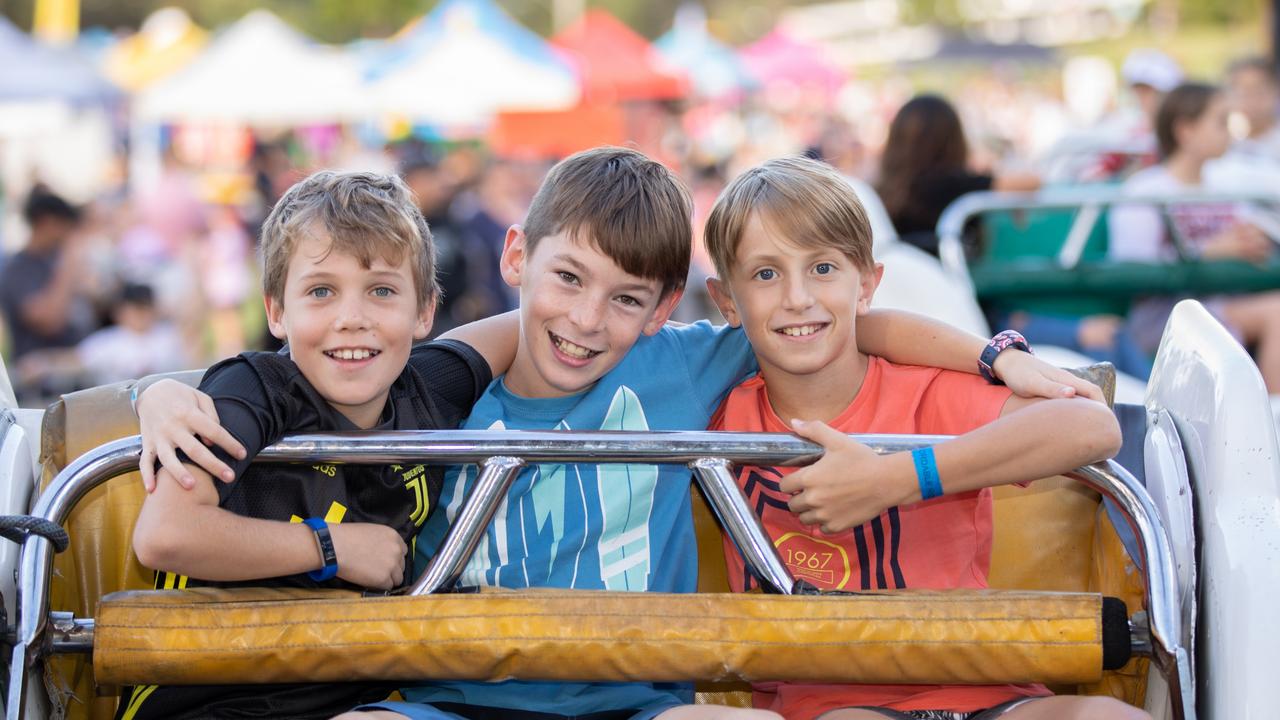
x: 615, y: 64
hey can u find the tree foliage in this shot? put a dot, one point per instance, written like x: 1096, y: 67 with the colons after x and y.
x: 735, y: 20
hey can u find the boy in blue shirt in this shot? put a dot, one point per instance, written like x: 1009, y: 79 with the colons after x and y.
x: 600, y: 264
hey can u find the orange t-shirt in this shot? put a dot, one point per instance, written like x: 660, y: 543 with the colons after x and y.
x: 935, y: 544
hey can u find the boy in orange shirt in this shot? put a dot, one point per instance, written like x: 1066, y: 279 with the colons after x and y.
x: 792, y: 247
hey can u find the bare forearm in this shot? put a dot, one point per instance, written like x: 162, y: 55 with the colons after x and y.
x: 1044, y: 439
x: 185, y: 532
x: 219, y: 545
x: 495, y: 338
x: 911, y: 339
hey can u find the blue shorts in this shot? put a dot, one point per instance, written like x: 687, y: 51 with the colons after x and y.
x: 458, y: 711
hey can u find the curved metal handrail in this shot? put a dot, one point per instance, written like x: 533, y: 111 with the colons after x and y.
x: 708, y: 453
x: 1090, y: 200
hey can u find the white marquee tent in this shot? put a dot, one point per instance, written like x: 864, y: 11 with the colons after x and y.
x: 470, y: 61
x: 259, y: 71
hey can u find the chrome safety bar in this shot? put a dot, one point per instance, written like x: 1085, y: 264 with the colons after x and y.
x: 502, y: 454
x: 1090, y: 201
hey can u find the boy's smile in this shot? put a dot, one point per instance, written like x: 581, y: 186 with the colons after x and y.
x: 349, y: 327
x: 580, y: 313
x: 797, y: 304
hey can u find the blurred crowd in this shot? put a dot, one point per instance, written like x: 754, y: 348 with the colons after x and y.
x: 136, y: 282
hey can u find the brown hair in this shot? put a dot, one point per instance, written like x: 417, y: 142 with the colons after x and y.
x: 925, y: 138
x: 364, y: 214
x: 1185, y: 103
x: 629, y: 207
x: 808, y: 200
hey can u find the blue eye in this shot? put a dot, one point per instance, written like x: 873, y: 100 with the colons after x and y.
x: 765, y: 274
x: 383, y: 292
x: 824, y: 268
x: 320, y: 292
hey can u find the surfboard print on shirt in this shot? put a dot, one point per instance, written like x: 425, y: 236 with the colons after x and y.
x: 626, y: 502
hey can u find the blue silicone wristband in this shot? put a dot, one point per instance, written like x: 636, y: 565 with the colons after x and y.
x: 927, y: 473
x: 327, y: 553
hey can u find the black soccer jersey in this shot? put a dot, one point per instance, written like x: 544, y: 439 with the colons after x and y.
x: 261, y: 397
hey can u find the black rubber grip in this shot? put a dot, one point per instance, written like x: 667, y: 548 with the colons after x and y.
x: 1116, y: 641
x: 18, y: 527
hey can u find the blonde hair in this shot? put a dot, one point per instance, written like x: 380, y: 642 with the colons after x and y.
x: 632, y: 208
x: 365, y: 215
x: 808, y: 201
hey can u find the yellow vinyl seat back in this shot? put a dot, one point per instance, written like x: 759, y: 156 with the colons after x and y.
x: 100, y: 559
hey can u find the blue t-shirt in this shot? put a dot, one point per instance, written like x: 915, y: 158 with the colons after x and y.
x: 595, y: 527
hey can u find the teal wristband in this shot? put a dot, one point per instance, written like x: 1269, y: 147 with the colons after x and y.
x: 927, y: 473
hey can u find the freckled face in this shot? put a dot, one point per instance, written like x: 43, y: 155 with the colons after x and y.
x: 349, y: 328
x: 580, y: 313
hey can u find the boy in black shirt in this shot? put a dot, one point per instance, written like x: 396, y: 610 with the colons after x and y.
x: 349, y: 284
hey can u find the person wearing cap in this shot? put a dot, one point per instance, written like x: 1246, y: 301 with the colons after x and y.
x: 1150, y: 74
x: 1129, y: 133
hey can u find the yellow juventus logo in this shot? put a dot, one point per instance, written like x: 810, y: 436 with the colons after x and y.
x: 415, y: 481
x: 337, y: 511
x: 170, y: 581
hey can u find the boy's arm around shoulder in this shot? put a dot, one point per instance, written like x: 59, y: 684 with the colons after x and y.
x: 908, y: 338
x: 495, y: 338
x: 1032, y: 438
x: 185, y: 532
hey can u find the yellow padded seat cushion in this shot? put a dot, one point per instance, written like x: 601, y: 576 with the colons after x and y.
x: 273, y: 635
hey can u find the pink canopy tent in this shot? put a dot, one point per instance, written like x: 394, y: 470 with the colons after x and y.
x: 780, y: 59
x: 616, y: 64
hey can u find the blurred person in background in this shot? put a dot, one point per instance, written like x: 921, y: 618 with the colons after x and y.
x: 272, y: 172
x: 223, y: 260
x: 170, y: 221
x: 925, y: 167
x: 1150, y: 74
x: 139, y: 343
x: 839, y: 146
x: 705, y: 181
x: 42, y: 293
x: 1191, y: 129
x: 461, y: 299
x: 498, y: 200
x: 1253, y: 92
x: 1130, y: 131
